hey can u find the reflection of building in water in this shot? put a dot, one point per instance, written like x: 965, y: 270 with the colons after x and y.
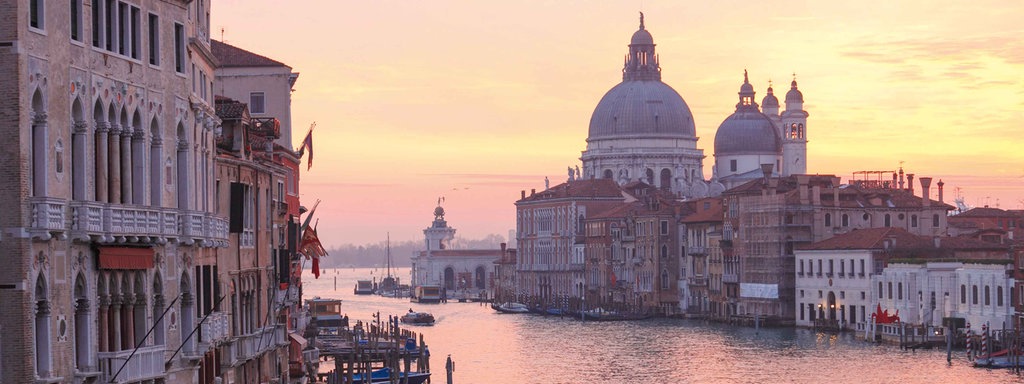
x: 466, y: 270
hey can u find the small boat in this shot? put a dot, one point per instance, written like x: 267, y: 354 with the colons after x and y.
x: 512, y: 308
x: 418, y: 318
x: 383, y: 375
x: 556, y: 312
x: 364, y: 287
x: 326, y: 314
x: 599, y: 314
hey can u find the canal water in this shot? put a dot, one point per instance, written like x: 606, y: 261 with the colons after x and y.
x: 488, y: 347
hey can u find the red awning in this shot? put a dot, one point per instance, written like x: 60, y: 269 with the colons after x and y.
x: 126, y: 258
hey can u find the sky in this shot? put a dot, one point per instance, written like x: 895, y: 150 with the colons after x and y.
x: 475, y: 101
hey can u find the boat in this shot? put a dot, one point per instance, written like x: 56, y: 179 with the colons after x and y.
x: 427, y: 294
x: 383, y: 375
x: 599, y: 314
x: 326, y: 314
x: 999, y: 359
x: 418, y: 318
x: 388, y: 285
x: 364, y: 287
x: 512, y: 308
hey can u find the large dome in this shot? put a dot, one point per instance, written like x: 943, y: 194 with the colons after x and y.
x: 747, y: 132
x: 641, y: 108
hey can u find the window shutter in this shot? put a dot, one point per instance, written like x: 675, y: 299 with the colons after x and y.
x: 237, y: 207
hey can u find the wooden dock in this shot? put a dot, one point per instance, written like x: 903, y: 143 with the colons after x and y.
x: 370, y: 346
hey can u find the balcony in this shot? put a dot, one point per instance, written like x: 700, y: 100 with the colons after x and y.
x: 214, y: 330
x: 697, y: 251
x: 47, y: 215
x: 250, y: 346
x: 698, y: 281
x: 730, y: 278
x: 146, y: 364
x: 136, y: 223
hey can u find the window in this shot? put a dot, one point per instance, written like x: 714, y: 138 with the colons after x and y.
x: 97, y: 17
x: 863, y: 296
x: 831, y: 267
x: 732, y: 165
x: 913, y: 221
x: 136, y: 32
x: 108, y: 24
x: 257, y: 103
x: 899, y: 291
x: 801, y: 293
x: 963, y: 294
x: 842, y: 268
x: 890, y: 290
x: 179, y: 48
x: 122, y: 27
x: 880, y: 291
x: 36, y: 14
x: 842, y: 294
x: 862, y: 267
x: 974, y: 294
x: 154, y: 39
x: 664, y: 227
x: 888, y: 220
x: 76, y: 20
x: 828, y: 219
x: 999, y: 296
x: 935, y: 220
x: 846, y: 220
x: 801, y: 267
x: 819, y: 267
x: 988, y: 295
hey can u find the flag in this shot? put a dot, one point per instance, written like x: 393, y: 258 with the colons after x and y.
x: 308, y: 143
x: 311, y: 248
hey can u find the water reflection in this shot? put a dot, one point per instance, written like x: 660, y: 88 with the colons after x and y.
x: 498, y: 348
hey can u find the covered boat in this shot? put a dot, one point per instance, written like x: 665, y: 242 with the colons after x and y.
x: 383, y: 375
x: 512, y: 308
x: 418, y: 318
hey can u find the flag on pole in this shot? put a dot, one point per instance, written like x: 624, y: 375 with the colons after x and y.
x: 311, y: 248
x: 308, y: 143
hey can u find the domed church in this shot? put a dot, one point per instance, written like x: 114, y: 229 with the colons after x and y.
x: 753, y: 136
x: 642, y: 130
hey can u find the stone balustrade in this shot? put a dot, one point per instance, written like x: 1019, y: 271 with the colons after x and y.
x: 147, y: 363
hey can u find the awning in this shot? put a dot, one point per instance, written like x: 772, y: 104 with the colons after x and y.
x: 126, y: 258
x: 299, y: 340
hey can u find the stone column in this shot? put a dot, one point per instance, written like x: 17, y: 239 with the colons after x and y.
x: 114, y: 164
x: 83, y: 346
x: 101, y: 179
x: 115, y: 324
x: 156, y: 173
x: 78, y: 160
x: 40, y: 149
x: 126, y: 165
x: 127, y: 323
x: 104, y: 331
x: 139, y: 167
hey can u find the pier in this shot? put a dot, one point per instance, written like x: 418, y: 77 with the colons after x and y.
x: 380, y: 350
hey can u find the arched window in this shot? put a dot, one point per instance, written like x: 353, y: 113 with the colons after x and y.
x: 974, y: 294
x: 913, y: 221
x: 39, y: 145
x: 182, y: 167
x: 888, y: 220
x: 137, y: 171
x: 963, y: 294
x: 846, y: 220
x: 664, y: 279
x: 187, y: 308
x: 880, y: 290
x: 42, y: 328
x: 82, y: 320
x: 800, y: 131
x: 664, y: 251
x: 608, y: 174
x: 828, y: 219
x: 899, y: 291
x: 159, y: 329
x: 988, y: 295
x: 935, y: 220
x: 156, y: 148
x: 78, y: 153
x: 666, y: 179
x: 999, y: 296
x: 100, y: 159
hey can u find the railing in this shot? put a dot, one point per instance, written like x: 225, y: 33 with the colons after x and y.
x: 249, y: 346
x: 214, y: 329
x: 147, y: 363
x: 730, y: 278
x: 698, y: 280
x: 47, y: 214
x: 696, y: 250
x: 90, y: 218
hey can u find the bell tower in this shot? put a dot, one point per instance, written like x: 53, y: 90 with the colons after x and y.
x: 794, y: 133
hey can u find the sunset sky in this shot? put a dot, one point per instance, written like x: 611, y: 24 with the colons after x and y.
x: 478, y: 100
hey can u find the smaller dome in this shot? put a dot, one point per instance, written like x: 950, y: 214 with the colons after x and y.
x: 747, y: 132
x: 770, y: 101
x: 794, y: 95
x: 439, y: 211
x: 746, y: 88
x: 642, y: 37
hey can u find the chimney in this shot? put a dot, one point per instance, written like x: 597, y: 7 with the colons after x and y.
x: 533, y: 191
x: 893, y: 181
x: 522, y: 194
x: 901, y: 177
x: 801, y: 181
x: 940, y: 184
x: 503, y: 245
x: 910, y: 183
x: 766, y: 170
x: 926, y: 199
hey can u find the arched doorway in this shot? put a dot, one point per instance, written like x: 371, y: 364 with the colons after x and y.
x: 449, y: 279
x: 831, y: 305
x: 480, y: 280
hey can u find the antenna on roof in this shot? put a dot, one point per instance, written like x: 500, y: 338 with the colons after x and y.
x: 222, y: 34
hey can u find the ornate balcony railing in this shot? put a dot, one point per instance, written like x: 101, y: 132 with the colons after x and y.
x: 730, y: 278
x: 147, y: 363
x: 47, y: 215
x: 133, y: 223
x: 215, y: 329
x: 698, y: 281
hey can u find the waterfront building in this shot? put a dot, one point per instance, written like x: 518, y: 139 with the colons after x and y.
x: 631, y: 253
x: 753, y: 136
x: 551, y: 239
x: 642, y: 130
x: 505, y: 275
x: 771, y: 216
x: 992, y: 224
x: 109, y: 107
x: 701, y: 287
x: 459, y: 272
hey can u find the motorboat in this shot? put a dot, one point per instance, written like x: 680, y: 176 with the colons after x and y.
x: 383, y: 375
x: 512, y: 308
x: 418, y: 318
x: 364, y: 287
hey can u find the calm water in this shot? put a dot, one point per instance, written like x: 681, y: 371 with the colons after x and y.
x: 498, y: 348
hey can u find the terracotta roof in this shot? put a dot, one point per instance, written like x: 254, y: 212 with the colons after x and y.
x: 714, y: 214
x: 871, y: 238
x: 606, y: 188
x: 987, y: 212
x: 961, y: 243
x: 231, y: 56
x: 228, y: 109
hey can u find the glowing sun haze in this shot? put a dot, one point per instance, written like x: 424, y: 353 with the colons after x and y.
x: 477, y: 100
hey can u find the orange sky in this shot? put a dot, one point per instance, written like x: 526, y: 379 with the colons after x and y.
x: 478, y: 100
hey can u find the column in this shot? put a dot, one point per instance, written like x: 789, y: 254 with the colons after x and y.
x: 78, y: 160
x: 103, y: 330
x: 101, y: 162
x: 126, y: 165
x: 156, y: 173
x: 139, y: 167
x: 127, y: 323
x: 114, y: 164
x: 115, y: 324
x: 39, y: 152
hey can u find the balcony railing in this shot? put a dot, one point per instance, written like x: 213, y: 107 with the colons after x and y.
x: 698, y: 281
x: 117, y: 222
x: 730, y: 278
x: 47, y: 215
x: 249, y: 346
x: 214, y: 330
x: 697, y: 251
x: 147, y: 363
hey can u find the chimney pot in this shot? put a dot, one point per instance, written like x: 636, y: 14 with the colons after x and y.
x: 910, y: 183
x: 522, y: 194
x: 533, y: 191
x: 926, y: 199
x: 940, y: 184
